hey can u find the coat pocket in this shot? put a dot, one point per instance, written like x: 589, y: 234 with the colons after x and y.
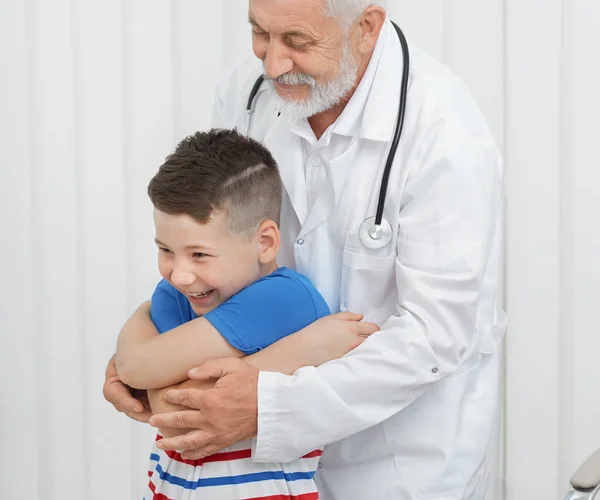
x: 368, y: 284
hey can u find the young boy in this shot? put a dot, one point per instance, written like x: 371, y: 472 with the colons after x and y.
x: 216, y: 213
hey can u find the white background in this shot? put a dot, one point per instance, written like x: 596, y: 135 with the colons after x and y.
x: 94, y: 94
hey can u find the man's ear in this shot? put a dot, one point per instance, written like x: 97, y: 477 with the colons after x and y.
x: 269, y: 239
x: 369, y: 26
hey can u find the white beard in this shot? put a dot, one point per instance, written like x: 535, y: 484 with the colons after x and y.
x: 321, y: 97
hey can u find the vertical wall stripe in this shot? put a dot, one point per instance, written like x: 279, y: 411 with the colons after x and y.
x: 580, y: 235
x: 56, y: 188
x: 18, y: 367
x: 534, y: 254
x: 82, y: 244
x: 128, y: 178
x: 34, y: 152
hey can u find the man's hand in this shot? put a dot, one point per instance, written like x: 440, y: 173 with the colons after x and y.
x: 224, y: 415
x: 117, y: 394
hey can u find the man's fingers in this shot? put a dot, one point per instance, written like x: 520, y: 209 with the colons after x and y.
x: 192, y: 398
x: 185, y: 419
x: 348, y: 316
x: 216, y: 368
x: 199, y: 453
x: 193, y: 440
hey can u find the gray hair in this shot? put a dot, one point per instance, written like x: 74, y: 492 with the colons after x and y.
x: 348, y: 11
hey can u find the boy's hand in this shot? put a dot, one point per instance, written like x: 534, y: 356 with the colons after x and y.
x: 332, y: 337
x: 117, y: 394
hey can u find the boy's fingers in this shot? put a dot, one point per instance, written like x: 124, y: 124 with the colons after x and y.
x: 117, y: 394
x: 142, y: 417
x: 348, y: 316
x: 366, y: 329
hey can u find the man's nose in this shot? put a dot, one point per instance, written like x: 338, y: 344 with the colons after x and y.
x: 277, y: 61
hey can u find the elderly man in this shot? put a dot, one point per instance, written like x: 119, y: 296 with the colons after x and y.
x: 411, y: 413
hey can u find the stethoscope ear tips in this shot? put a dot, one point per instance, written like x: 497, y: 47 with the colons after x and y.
x: 373, y: 235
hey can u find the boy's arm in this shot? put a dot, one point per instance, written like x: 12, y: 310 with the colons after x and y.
x: 147, y: 360
x: 284, y: 356
x: 249, y: 322
x: 241, y: 325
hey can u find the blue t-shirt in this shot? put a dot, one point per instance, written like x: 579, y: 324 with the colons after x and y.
x: 269, y: 309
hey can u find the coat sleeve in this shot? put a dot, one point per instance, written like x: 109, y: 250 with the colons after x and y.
x: 449, y: 218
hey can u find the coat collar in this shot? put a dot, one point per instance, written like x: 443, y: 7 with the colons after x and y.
x: 381, y: 110
x: 286, y: 148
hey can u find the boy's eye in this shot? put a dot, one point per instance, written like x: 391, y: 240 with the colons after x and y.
x: 198, y: 255
x: 164, y: 250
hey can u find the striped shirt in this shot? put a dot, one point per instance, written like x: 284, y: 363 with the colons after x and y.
x: 229, y: 475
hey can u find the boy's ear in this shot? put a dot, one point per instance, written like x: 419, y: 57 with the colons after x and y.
x: 269, y: 239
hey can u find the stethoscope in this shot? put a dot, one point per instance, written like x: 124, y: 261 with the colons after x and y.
x: 375, y: 232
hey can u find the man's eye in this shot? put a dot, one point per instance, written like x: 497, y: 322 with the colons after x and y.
x: 259, y: 33
x: 198, y: 255
x: 297, y: 45
x: 164, y: 250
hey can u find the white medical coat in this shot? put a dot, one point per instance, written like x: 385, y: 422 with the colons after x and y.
x: 412, y: 413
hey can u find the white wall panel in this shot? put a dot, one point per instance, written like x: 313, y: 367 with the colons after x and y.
x: 533, y: 247
x: 553, y: 278
x: 19, y: 405
x: 98, y: 51
x: 58, y: 300
x: 148, y: 132
x: 424, y: 23
x: 580, y: 238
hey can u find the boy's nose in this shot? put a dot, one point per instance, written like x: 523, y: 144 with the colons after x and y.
x: 182, y: 278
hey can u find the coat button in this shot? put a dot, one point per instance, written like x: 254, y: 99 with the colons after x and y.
x: 300, y: 241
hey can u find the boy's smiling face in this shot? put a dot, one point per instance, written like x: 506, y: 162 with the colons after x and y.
x: 207, y: 262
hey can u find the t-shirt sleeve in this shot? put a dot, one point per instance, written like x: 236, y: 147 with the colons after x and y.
x: 165, y: 310
x: 264, y: 312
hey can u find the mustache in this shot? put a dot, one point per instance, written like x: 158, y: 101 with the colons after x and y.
x: 293, y: 79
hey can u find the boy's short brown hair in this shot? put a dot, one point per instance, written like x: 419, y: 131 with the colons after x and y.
x: 219, y: 170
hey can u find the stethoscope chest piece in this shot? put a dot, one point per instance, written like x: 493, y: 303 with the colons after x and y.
x: 373, y: 236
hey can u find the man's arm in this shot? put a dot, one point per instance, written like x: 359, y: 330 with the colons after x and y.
x: 447, y: 227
